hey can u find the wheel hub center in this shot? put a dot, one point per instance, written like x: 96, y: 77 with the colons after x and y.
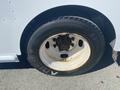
x: 63, y: 42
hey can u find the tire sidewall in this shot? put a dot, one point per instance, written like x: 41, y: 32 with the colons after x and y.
x: 84, y: 28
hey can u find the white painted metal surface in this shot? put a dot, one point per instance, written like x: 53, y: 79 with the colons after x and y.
x: 16, y: 14
x: 9, y: 58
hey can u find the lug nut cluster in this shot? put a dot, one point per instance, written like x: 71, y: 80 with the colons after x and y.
x: 63, y: 42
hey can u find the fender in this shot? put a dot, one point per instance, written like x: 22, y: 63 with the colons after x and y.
x: 17, y: 15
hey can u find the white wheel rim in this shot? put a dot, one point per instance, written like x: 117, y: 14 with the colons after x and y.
x: 78, y: 56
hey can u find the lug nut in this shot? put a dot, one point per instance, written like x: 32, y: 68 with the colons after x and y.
x: 72, y: 38
x: 54, y: 45
x: 72, y: 44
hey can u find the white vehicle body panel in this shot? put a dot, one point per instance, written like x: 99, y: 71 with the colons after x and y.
x: 16, y: 14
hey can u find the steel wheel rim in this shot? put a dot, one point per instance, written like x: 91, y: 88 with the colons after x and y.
x: 77, y: 55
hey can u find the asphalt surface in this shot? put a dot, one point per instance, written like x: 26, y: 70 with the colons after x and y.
x: 107, y: 78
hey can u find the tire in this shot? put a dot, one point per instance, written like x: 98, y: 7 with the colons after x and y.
x: 70, y: 24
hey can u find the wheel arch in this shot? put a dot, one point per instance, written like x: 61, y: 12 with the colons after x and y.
x: 69, y: 10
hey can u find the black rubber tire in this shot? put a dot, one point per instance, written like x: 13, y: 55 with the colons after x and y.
x: 71, y: 24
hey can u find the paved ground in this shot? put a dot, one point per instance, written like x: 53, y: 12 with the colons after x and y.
x: 30, y: 79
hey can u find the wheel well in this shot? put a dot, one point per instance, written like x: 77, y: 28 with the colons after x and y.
x: 69, y: 10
